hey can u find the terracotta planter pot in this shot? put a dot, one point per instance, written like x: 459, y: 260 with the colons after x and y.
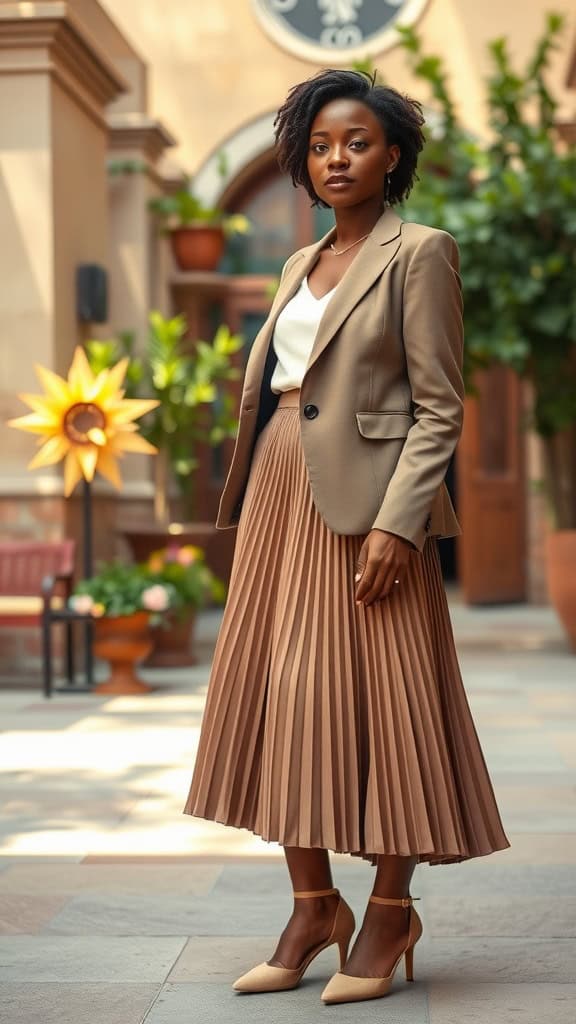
x: 561, y: 574
x: 173, y: 643
x: 198, y: 247
x: 122, y: 641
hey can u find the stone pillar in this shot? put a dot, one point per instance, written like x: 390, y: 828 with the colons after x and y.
x: 138, y: 261
x: 138, y: 256
x: 55, y: 85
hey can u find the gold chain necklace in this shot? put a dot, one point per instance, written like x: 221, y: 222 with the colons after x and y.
x: 339, y: 252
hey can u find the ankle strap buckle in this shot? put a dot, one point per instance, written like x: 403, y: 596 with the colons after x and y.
x: 404, y: 901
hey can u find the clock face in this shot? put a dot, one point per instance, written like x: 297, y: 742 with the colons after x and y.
x: 341, y: 29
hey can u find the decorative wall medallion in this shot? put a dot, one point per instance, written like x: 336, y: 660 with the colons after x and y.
x: 335, y: 30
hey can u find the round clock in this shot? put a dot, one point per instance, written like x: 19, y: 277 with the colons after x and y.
x: 336, y: 30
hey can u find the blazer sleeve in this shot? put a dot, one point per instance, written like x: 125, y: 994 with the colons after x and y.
x: 433, y: 339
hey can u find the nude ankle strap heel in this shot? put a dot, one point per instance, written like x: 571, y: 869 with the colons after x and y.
x: 303, y: 895
x: 345, y: 988
x: 267, y: 977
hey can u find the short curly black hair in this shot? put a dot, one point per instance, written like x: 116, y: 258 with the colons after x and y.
x: 400, y: 117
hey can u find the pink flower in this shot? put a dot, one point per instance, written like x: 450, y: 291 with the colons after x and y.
x: 187, y: 554
x: 171, y: 554
x: 156, y: 598
x: 82, y: 604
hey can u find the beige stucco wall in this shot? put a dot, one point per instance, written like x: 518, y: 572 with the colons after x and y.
x: 80, y: 211
x: 214, y: 69
x: 27, y: 249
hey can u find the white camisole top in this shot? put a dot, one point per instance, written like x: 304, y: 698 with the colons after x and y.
x: 294, y: 334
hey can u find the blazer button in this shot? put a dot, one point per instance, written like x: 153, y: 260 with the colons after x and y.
x: 311, y: 412
x: 428, y: 523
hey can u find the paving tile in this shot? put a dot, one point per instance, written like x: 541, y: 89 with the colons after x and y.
x: 219, y: 1004
x: 218, y: 959
x: 564, y: 742
x: 271, y: 882
x: 541, y: 808
x: 23, y: 721
x: 557, y: 700
x: 15, y: 699
x: 532, y: 848
x: 510, y: 900
x: 184, y: 879
x: 167, y: 703
x: 146, y: 747
x: 54, y: 958
x: 533, y: 779
x: 9, y: 860
x: 54, y: 1003
x: 249, y: 892
x: 501, y: 1004
x: 56, y: 809
x: 527, y: 751
x: 477, y: 960
x: 245, y: 900
x: 166, y: 914
x: 25, y: 914
x: 499, y: 719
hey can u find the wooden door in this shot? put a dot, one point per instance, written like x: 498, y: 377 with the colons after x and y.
x: 491, y: 492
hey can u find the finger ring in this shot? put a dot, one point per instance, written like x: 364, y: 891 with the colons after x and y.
x: 396, y: 581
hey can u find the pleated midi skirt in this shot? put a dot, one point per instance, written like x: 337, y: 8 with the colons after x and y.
x: 330, y: 724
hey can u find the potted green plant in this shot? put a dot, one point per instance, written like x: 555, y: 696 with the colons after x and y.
x: 182, y: 567
x: 188, y: 379
x: 511, y: 203
x: 197, y: 232
x: 189, y: 382
x: 124, y: 600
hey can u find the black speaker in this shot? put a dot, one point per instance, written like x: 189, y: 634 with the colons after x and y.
x: 91, y: 293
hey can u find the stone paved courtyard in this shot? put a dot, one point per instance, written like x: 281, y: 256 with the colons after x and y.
x: 115, y: 908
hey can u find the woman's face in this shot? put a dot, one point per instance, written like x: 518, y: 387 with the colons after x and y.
x: 348, y: 156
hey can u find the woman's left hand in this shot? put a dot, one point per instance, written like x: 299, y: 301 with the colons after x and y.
x: 382, y: 560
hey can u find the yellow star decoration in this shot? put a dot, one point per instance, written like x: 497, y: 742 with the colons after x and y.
x: 85, y: 420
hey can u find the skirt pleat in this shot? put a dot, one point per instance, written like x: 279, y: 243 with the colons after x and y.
x: 330, y: 724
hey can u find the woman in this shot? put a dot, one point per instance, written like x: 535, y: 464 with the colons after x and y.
x: 336, y: 717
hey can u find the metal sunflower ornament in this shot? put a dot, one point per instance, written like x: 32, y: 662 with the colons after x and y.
x: 84, y: 420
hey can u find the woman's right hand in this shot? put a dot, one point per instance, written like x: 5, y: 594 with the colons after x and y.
x: 381, y: 564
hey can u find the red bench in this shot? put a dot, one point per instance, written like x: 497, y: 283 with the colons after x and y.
x: 36, y: 581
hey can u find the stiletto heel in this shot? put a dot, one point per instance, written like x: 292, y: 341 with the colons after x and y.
x: 345, y: 988
x: 409, y: 963
x: 266, y: 977
x: 343, y: 946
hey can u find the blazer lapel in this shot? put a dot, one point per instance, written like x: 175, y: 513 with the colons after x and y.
x: 288, y: 288
x: 367, y: 266
x: 378, y: 251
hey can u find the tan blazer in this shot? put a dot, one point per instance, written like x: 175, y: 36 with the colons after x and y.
x: 382, y: 396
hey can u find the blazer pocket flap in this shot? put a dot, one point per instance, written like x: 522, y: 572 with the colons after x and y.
x: 384, y: 424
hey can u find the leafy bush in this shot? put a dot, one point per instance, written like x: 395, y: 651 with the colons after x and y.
x: 510, y: 202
